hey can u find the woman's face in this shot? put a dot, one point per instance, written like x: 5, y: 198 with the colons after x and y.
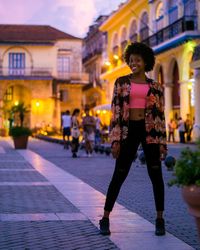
x: 136, y: 64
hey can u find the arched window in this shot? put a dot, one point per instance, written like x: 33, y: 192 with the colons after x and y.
x: 173, y: 11
x: 123, y: 40
x: 115, y: 47
x: 159, y: 10
x: 159, y: 16
x: 144, y: 30
x: 133, y: 32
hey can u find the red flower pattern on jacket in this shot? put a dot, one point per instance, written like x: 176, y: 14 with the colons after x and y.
x: 154, y: 111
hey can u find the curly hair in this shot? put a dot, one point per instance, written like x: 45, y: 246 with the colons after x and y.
x: 142, y: 50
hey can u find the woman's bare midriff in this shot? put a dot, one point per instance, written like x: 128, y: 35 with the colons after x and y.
x: 136, y: 114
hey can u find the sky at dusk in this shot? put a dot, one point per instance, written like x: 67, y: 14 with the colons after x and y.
x: 70, y: 16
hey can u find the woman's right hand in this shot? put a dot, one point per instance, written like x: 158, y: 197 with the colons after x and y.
x: 115, y: 149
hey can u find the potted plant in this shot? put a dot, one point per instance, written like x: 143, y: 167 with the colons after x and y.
x: 187, y: 176
x: 20, y: 136
x: 20, y: 133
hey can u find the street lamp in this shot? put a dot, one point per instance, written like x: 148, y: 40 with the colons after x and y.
x: 37, y: 104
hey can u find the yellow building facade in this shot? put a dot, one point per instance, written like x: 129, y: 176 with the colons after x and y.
x: 172, y: 29
x: 41, y: 67
x: 122, y: 28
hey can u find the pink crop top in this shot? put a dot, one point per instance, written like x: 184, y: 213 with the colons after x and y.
x: 138, y: 95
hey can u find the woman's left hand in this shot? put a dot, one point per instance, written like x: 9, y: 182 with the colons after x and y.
x: 163, y: 152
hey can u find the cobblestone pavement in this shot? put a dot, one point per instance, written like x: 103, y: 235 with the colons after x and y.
x: 136, y: 193
x: 35, y: 215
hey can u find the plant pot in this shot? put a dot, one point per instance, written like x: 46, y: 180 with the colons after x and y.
x: 3, y: 132
x: 191, y: 195
x: 20, y: 142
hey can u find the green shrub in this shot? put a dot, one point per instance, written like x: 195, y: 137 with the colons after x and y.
x: 187, y: 168
x: 19, y: 131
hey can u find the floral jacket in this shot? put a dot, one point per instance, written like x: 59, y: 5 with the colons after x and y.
x: 154, y: 112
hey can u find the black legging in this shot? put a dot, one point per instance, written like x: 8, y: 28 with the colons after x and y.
x: 136, y: 135
x: 75, y: 145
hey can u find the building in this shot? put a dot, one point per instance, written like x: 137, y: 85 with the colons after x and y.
x: 42, y: 67
x: 93, y: 49
x: 172, y: 29
x: 122, y: 27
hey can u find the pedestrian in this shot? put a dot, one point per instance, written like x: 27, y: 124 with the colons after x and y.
x: 171, y: 129
x: 89, y: 127
x: 98, y: 130
x: 181, y: 129
x: 137, y: 117
x: 66, y: 123
x: 75, y: 132
x: 188, y: 128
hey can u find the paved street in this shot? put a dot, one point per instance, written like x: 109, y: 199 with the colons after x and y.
x: 39, y: 210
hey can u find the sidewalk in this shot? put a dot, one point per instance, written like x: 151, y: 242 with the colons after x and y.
x: 42, y: 206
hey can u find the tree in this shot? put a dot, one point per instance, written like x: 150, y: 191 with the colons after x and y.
x: 21, y: 110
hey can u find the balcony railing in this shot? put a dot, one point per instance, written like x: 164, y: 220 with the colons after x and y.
x: 23, y: 72
x: 42, y: 72
x: 80, y: 76
x: 186, y: 23
x: 94, y: 53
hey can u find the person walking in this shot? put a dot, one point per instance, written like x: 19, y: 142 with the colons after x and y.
x: 66, y: 123
x: 89, y: 127
x: 98, y: 130
x: 188, y: 128
x: 137, y: 117
x: 75, y: 132
x: 181, y: 129
x: 171, y: 129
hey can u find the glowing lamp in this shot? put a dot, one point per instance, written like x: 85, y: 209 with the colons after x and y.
x: 116, y: 57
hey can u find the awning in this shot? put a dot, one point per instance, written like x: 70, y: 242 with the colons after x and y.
x: 102, y: 107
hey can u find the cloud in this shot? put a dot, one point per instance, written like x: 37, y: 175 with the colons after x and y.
x: 18, y: 11
x: 74, y: 16
x: 71, y: 16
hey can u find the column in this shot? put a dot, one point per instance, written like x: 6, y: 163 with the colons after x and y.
x: 168, y: 101
x: 196, y: 128
x: 184, y: 99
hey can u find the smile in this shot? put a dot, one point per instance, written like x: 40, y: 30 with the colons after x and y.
x: 134, y: 68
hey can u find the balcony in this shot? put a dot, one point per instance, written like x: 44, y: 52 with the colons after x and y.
x: 72, y: 76
x: 92, y: 54
x: 22, y: 73
x: 186, y: 23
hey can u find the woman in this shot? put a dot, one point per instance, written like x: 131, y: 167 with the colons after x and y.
x: 75, y: 132
x: 89, y: 126
x: 137, y: 117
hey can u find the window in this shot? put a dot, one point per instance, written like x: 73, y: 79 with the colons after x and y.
x: 159, y: 16
x: 63, y: 66
x: 144, y: 30
x: 123, y: 40
x: 190, y: 14
x: 159, y: 11
x: 63, y: 95
x: 133, y: 32
x: 173, y: 11
x: 16, y: 63
x: 9, y: 94
x: 189, y: 8
x: 115, y: 45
